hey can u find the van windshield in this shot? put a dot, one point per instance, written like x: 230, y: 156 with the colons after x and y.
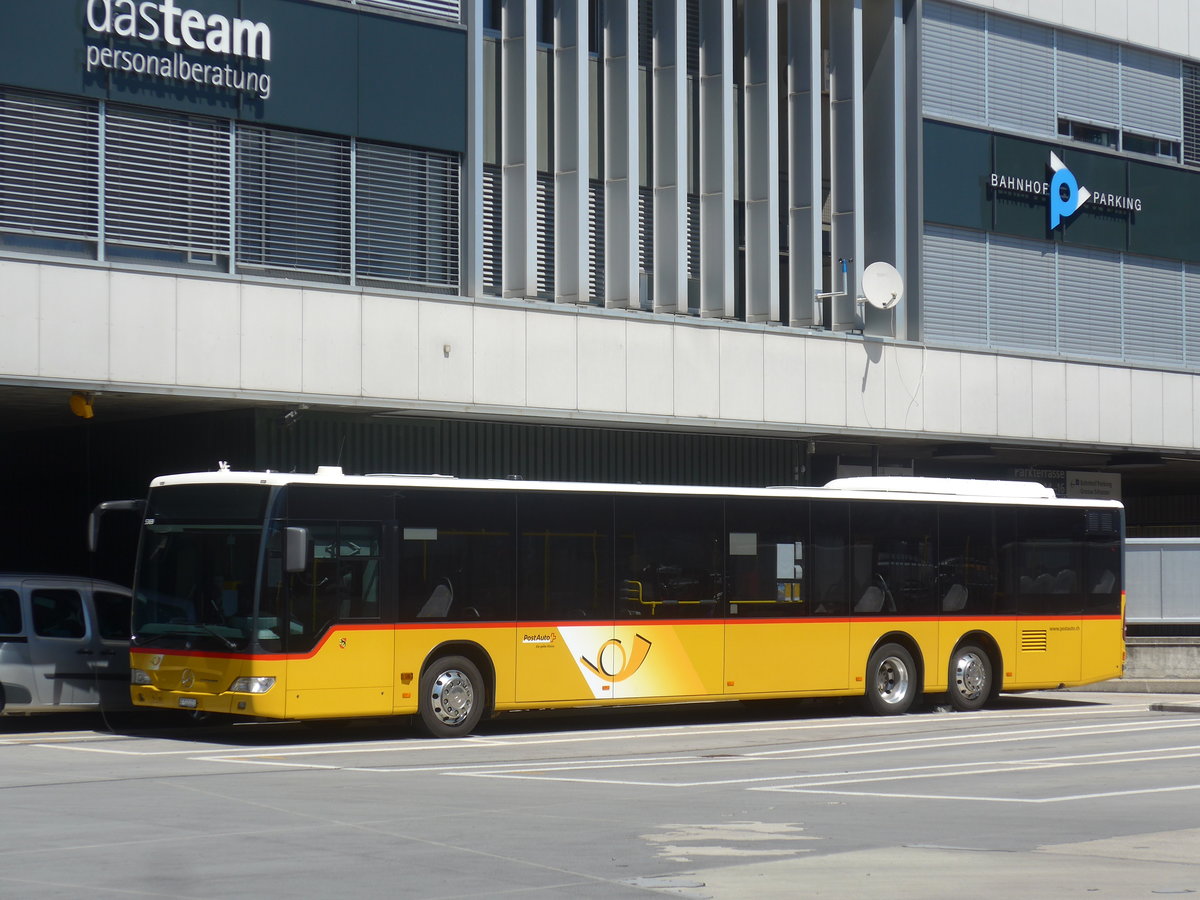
x: 197, y: 565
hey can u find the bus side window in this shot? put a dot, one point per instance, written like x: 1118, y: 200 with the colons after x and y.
x: 767, y: 549
x: 673, y: 547
x: 829, y: 557
x: 967, y: 570
x: 565, y: 558
x: 457, y: 555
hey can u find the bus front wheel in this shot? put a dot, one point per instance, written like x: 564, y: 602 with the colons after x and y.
x: 970, y: 678
x: 891, y: 681
x: 452, y: 697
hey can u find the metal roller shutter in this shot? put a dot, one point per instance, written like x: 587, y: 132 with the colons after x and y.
x: 1151, y: 94
x: 1089, y: 80
x: 1020, y: 74
x: 953, y: 51
x: 954, y: 286
x: 1153, y: 310
x: 1023, y: 311
x: 1089, y: 300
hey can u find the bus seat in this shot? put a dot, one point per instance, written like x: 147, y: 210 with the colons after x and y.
x: 955, y: 599
x: 1106, y: 582
x: 438, y: 604
x: 871, y: 600
x: 1064, y: 582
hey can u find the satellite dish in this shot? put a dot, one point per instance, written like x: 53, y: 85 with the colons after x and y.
x: 882, y: 285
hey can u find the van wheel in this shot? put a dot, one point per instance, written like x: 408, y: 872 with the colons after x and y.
x: 970, y: 678
x: 453, y: 697
x: 891, y: 681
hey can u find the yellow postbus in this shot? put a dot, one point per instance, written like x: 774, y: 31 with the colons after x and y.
x: 329, y: 595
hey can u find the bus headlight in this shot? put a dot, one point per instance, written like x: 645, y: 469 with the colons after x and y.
x: 254, y: 684
x: 137, y: 676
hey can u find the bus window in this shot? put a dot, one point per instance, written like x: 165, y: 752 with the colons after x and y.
x: 670, y: 555
x: 457, y: 552
x: 891, y: 559
x: 767, y: 544
x: 1049, y: 562
x: 828, y: 565
x: 967, y: 571
x: 1102, y: 565
x: 565, y: 557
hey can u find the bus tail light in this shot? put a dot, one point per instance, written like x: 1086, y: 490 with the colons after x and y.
x: 256, y: 684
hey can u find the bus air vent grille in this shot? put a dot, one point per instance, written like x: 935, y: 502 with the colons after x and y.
x: 1034, y: 641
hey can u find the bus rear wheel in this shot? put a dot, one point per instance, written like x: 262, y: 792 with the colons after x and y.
x: 970, y: 678
x: 891, y: 681
x: 453, y: 697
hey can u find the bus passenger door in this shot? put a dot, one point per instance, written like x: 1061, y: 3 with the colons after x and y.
x: 340, y: 655
x: 786, y: 629
x: 668, y: 639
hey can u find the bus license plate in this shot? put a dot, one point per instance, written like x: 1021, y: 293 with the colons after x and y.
x: 187, y: 702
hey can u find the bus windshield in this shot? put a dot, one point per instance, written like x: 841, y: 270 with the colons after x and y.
x: 197, y: 568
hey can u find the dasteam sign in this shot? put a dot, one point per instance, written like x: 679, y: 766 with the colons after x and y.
x: 180, y: 30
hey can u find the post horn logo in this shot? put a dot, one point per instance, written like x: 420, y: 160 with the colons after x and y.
x: 1066, y: 196
x: 614, y: 663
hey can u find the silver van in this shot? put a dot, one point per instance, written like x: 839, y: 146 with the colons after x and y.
x: 64, y: 644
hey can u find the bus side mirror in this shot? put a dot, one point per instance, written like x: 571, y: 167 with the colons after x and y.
x: 297, y: 549
x: 93, y: 525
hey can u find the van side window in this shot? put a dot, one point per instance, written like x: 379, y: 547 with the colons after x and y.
x: 10, y: 612
x: 58, y: 613
x: 112, y: 615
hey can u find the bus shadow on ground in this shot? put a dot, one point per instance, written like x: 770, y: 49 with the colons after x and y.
x: 226, y: 730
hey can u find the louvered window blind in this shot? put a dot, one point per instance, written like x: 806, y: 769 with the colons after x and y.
x: 545, y: 235
x: 293, y: 195
x: 646, y: 230
x: 406, y: 223
x: 49, y: 165
x: 493, y: 247
x: 1191, y: 114
x: 596, y: 238
x: 197, y: 185
x: 166, y: 180
x: 439, y: 9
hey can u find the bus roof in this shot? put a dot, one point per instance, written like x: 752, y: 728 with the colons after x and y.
x: 874, y: 487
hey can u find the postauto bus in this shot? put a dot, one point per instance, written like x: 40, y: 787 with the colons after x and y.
x: 319, y: 596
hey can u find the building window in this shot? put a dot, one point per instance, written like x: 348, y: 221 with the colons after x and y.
x: 1088, y: 134
x: 1150, y: 146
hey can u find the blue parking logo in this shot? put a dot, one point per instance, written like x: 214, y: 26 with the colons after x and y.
x: 1066, y: 196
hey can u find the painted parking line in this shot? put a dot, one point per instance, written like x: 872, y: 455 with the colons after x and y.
x: 602, y: 770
